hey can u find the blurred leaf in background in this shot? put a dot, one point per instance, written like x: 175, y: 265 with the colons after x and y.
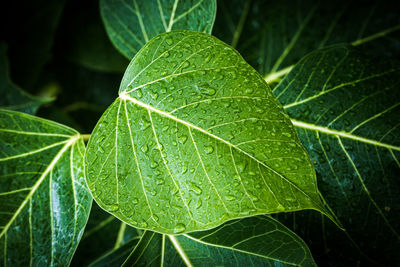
x: 12, y: 96
x: 274, y: 35
x: 131, y: 24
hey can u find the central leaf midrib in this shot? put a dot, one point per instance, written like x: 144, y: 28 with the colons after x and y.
x: 329, y: 131
x: 125, y: 96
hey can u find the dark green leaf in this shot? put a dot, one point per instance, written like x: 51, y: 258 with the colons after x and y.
x: 131, y: 24
x: 253, y: 241
x: 85, y: 40
x: 13, y: 97
x: 345, y: 106
x: 274, y: 35
x: 103, y: 234
x: 156, y: 167
x: 44, y: 202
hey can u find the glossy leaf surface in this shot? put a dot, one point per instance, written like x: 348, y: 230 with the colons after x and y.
x: 131, y: 24
x: 44, y: 202
x: 196, y: 138
x: 13, y: 97
x: 254, y: 241
x: 345, y: 106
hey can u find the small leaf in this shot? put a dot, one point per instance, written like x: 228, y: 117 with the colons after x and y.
x: 13, y: 97
x: 131, y: 24
x: 196, y: 138
x: 259, y: 240
x: 345, y: 106
x: 44, y: 202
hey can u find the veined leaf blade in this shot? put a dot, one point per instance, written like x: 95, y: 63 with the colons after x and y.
x: 131, y: 24
x: 345, y: 106
x: 235, y: 155
x: 44, y: 199
x: 279, y: 33
x: 253, y: 241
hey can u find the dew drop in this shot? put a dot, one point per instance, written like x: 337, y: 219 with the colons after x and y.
x: 196, y: 189
x: 153, y: 164
x: 230, y: 198
x: 241, y: 166
x: 182, y: 139
x: 184, y: 169
x: 144, y: 148
x: 208, y: 58
x: 185, y: 64
x: 160, y: 181
x: 208, y: 91
x: 113, y: 207
x: 209, y: 149
x: 135, y: 201
x: 280, y: 207
x: 169, y: 41
x: 254, y: 198
x: 287, y: 134
x: 179, y: 228
x: 199, y: 203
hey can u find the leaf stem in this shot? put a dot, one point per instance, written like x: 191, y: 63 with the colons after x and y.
x: 85, y: 137
x: 376, y: 35
x: 240, y: 25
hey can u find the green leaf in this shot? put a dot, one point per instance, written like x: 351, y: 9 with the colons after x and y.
x: 194, y: 139
x: 13, y: 97
x: 44, y: 202
x: 274, y: 35
x: 103, y: 233
x: 254, y: 241
x: 345, y: 106
x: 131, y: 24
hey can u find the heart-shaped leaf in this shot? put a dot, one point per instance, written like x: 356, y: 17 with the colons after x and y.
x: 196, y: 138
x: 44, y: 202
x: 131, y: 24
x: 345, y: 106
